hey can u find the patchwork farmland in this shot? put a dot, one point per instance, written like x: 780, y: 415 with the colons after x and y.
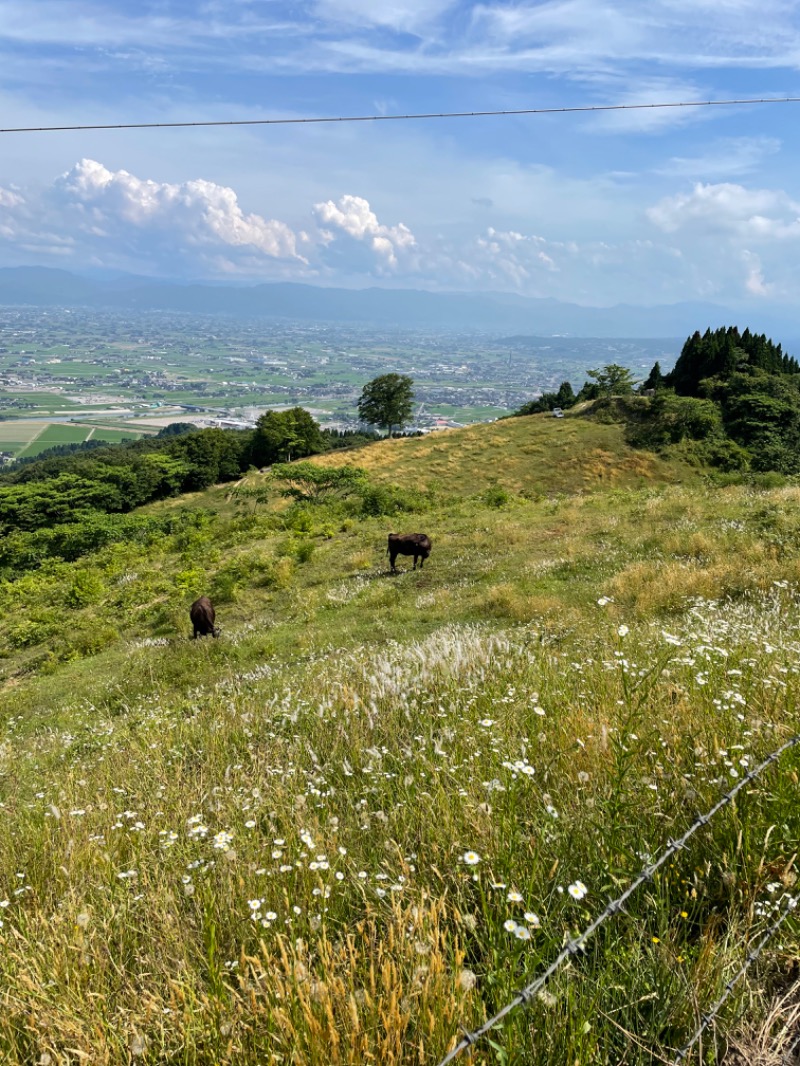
x: 24, y: 438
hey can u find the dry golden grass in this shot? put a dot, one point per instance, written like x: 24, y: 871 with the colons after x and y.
x: 536, y: 454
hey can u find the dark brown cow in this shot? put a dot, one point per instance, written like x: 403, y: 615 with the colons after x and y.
x: 416, y: 544
x: 202, y: 615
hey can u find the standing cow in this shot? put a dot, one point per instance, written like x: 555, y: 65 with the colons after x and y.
x: 416, y: 544
x: 202, y: 615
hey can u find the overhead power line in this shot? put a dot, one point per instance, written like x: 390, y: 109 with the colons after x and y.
x: 400, y: 118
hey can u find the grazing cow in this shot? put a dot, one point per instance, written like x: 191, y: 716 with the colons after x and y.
x: 416, y: 544
x: 202, y: 615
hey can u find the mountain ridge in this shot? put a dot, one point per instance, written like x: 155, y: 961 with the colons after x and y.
x: 508, y: 313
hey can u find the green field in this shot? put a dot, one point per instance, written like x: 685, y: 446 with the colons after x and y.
x: 27, y: 438
x: 53, y: 434
x: 114, y: 436
x: 365, y: 816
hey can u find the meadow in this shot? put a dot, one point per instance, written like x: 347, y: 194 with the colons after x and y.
x: 377, y: 805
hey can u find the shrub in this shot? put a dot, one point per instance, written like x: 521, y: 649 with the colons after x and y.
x: 496, y: 496
x: 86, y: 588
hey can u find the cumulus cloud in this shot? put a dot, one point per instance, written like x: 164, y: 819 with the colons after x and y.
x: 511, y: 256
x: 755, y: 214
x: 201, y: 212
x: 734, y: 237
x: 353, y: 216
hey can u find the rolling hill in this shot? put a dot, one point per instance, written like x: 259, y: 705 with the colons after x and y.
x: 379, y: 804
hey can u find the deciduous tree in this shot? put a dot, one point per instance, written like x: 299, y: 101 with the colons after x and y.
x: 386, y: 401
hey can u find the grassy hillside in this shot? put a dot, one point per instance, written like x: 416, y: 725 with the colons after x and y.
x: 254, y: 850
x: 538, y: 454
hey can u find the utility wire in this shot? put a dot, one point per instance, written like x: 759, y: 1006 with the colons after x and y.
x: 401, y: 118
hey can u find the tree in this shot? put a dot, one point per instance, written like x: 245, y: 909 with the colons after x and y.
x: 386, y: 401
x: 654, y: 380
x: 281, y: 436
x: 176, y: 429
x: 548, y: 401
x: 613, y: 380
x: 307, y: 482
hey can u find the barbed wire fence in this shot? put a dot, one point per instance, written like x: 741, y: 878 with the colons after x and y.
x: 707, y: 1018
x: 616, y: 906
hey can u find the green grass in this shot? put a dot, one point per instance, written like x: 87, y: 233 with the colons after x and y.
x: 58, y: 433
x: 534, y: 455
x: 114, y: 436
x: 352, y: 734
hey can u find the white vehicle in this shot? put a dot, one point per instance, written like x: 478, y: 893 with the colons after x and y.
x: 557, y: 412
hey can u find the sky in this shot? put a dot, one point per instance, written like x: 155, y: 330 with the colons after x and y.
x: 641, y: 207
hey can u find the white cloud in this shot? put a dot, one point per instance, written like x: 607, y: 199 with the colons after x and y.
x: 407, y: 16
x: 200, y: 212
x: 725, y: 157
x: 753, y: 214
x: 506, y: 255
x: 754, y: 282
x: 9, y: 198
x: 353, y: 216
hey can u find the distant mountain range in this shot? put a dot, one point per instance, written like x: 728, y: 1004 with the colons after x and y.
x: 405, y: 308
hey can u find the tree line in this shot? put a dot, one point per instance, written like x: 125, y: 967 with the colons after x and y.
x: 732, y: 401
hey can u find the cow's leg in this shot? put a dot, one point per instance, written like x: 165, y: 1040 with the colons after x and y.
x: 415, y: 560
x: 393, y: 559
x: 194, y: 635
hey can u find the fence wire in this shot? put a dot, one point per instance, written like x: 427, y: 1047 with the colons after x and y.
x: 572, y: 947
x: 707, y: 1018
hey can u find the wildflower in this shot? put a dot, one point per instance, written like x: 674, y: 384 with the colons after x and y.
x: 270, y: 916
x: 510, y: 926
x: 521, y: 933
x: 250, y: 824
x: 486, y: 722
x: 623, y: 631
x: 222, y: 840
x: 471, y: 858
x: 532, y: 919
x: 603, y: 601
x: 578, y: 890
x: 656, y: 940
x: 551, y: 810
x: 514, y: 897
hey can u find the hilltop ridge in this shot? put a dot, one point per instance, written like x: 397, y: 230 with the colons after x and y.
x: 503, y: 313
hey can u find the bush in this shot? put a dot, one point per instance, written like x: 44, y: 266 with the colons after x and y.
x: 380, y: 500
x: 496, y: 496
x: 86, y: 588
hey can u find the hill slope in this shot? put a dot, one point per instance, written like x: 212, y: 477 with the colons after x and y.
x: 534, y: 455
x: 366, y: 815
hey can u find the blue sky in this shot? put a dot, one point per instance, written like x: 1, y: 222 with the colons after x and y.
x: 637, y: 207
